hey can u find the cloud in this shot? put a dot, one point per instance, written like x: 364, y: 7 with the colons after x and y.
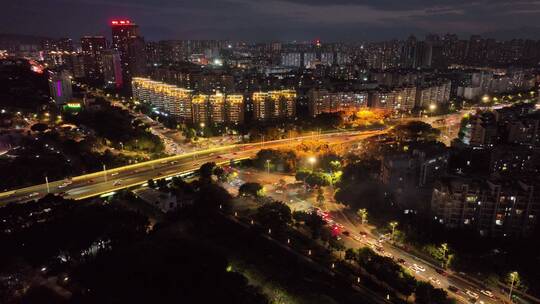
x: 270, y: 19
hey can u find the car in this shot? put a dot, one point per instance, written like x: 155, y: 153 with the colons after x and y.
x: 362, y: 233
x: 487, y: 293
x: 441, y: 272
x: 159, y: 174
x: 90, y: 181
x: 33, y: 194
x: 435, y: 281
x: 413, y: 269
x: 114, y: 174
x: 118, y: 182
x: 419, y: 267
x: 279, y: 191
x: 401, y: 261
x: 346, y: 233
x: 472, y: 294
x: 174, y: 162
x: 453, y: 288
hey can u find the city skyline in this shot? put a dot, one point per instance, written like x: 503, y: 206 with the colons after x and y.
x: 277, y: 20
x: 277, y: 151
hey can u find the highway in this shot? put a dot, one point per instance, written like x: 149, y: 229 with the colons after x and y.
x: 110, y: 180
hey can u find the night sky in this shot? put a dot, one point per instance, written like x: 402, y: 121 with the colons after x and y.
x: 262, y: 20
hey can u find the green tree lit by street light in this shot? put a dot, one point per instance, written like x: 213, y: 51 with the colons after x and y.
x: 393, y: 225
x: 514, y: 279
x: 363, y: 214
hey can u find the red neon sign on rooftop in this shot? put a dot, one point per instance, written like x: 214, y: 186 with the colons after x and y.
x: 120, y: 22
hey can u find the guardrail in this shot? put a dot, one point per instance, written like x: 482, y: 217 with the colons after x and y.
x: 139, y: 183
x: 179, y: 157
x: 230, y: 148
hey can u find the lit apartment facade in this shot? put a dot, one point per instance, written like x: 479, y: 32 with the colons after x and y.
x: 274, y: 105
x: 496, y: 208
x: 184, y: 104
x: 398, y: 99
x: 323, y: 101
x: 437, y: 94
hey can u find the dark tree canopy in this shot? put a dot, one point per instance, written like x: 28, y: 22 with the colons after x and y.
x: 253, y: 189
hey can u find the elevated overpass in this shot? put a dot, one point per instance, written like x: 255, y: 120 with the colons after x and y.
x: 110, y: 180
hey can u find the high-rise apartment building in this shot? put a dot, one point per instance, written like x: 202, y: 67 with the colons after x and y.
x: 57, y: 52
x: 60, y: 87
x: 493, y: 207
x: 433, y: 94
x: 274, y: 104
x: 323, y: 101
x: 291, y: 59
x: 130, y: 45
x: 182, y: 103
x: 400, y: 99
x: 92, y: 48
x: 112, y: 69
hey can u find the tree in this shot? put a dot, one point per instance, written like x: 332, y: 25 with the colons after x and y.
x: 513, y: 280
x: 350, y: 255
x: 427, y: 294
x: 219, y: 172
x: 211, y: 196
x: 252, y: 189
x: 301, y: 175
x: 363, y: 214
x: 39, y: 127
x: 317, y: 179
x: 190, y: 133
x: 320, y: 196
x: 206, y: 170
x: 315, y: 224
x: 274, y: 215
x: 393, y: 225
x: 415, y: 131
x: 151, y: 183
x: 162, y: 184
x: 279, y: 160
x: 336, y: 244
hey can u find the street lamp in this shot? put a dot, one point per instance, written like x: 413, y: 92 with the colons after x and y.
x: 312, y: 160
x: 393, y: 225
x: 47, y: 183
x: 514, y: 277
x: 202, y: 128
x: 432, y: 107
x: 268, y: 166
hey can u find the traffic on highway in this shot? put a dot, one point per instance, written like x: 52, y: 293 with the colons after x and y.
x: 110, y: 180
